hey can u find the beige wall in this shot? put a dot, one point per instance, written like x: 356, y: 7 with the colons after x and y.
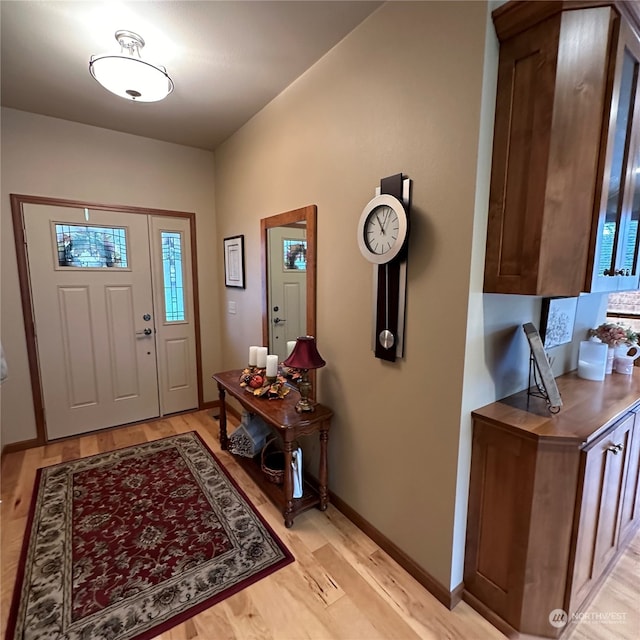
x: 59, y: 159
x: 410, y: 90
x: 400, y: 94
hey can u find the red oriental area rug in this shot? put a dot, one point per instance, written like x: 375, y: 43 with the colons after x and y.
x: 126, y: 544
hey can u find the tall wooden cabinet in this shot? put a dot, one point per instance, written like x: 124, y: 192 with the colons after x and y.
x: 565, y: 188
x: 553, y: 500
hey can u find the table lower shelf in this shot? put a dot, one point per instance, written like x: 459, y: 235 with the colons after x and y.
x: 275, y: 492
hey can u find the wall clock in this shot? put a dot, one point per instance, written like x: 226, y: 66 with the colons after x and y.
x: 383, y: 231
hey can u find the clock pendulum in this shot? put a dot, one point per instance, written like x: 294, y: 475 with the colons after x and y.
x: 386, y: 337
x: 383, y: 230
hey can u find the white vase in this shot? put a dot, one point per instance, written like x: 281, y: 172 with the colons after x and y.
x: 611, y: 354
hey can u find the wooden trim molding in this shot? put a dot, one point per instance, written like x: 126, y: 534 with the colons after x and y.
x: 12, y: 447
x: 17, y: 203
x: 500, y: 624
x: 514, y: 17
x: 308, y: 215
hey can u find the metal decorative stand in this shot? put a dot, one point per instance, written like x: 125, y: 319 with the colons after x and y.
x: 536, y: 388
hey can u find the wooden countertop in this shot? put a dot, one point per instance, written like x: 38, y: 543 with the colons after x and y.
x: 589, y: 407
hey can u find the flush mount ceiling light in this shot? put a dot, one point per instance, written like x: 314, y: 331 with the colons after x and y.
x: 127, y: 75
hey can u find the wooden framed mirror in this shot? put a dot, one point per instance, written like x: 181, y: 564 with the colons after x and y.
x: 288, y: 243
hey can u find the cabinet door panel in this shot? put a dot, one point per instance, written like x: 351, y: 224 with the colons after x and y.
x: 524, y: 111
x: 630, y: 516
x: 502, y: 469
x: 610, y: 497
x: 631, y: 238
x: 600, y: 509
x: 615, y: 265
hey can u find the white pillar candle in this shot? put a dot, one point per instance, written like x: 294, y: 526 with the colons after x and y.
x: 272, y: 366
x: 261, y: 358
x: 290, y: 345
x: 253, y: 356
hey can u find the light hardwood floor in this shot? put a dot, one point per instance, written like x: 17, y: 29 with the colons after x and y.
x: 341, y: 586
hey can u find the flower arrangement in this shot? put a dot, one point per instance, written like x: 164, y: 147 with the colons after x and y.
x: 295, y: 375
x: 614, y: 334
x: 255, y: 381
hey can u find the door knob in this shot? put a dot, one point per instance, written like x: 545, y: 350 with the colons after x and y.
x: 277, y: 320
x: 144, y: 332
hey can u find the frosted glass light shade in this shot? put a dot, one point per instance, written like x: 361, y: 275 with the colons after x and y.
x: 131, y: 78
x: 127, y: 75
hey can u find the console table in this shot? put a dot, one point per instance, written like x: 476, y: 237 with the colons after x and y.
x: 281, y: 415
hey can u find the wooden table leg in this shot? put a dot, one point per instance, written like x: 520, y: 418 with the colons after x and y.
x: 223, y: 419
x: 288, y: 482
x: 323, y: 472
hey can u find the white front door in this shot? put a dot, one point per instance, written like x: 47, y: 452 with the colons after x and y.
x: 287, y: 287
x: 95, y: 321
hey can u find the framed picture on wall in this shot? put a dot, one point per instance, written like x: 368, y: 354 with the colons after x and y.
x: 542, y: 373
x: 234, y: 261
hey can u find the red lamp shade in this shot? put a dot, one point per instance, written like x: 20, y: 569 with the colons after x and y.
x: 305, y: 355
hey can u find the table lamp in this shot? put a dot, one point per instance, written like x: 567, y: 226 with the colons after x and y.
x: 304, y: 356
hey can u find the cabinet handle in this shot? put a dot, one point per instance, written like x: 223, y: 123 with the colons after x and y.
x: 615, y: 449
x: 616, y: 272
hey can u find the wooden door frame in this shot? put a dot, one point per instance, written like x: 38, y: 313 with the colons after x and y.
x: 17, y: 209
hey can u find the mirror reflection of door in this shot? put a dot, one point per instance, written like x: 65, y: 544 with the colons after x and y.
x: 287, y: 287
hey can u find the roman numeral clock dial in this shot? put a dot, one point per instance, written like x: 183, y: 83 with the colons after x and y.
x: 383, y: 231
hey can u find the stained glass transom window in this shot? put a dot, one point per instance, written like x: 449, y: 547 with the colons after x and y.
x: 91, y: 247
x: 172, y: 272
x: 294, y: 254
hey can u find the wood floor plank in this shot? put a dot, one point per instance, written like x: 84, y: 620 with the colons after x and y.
x: 297, y: 612
x: 317, y: 581
x: 212, y: 623
x: 380, y: 613
x: 106, y: 441
x: 353, y: 623
x: 88, y: 446
x: 615, y: 610
x: 245, y: 619
x: 342, y: 586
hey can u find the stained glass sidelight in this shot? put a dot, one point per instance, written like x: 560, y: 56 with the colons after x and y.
x: 294, y: 254
x: 91, y: 247
x: 172, y: 273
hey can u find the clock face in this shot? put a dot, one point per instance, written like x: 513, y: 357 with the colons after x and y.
x: 383, y: 229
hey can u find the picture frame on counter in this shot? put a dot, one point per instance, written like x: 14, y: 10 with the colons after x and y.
x: 544, y: 379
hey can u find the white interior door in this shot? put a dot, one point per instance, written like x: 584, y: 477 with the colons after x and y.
x: 174, y: 313
x: 93, y: 312
x: 287, y: 287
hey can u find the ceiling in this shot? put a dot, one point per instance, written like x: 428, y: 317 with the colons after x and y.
x: 227, y: 59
